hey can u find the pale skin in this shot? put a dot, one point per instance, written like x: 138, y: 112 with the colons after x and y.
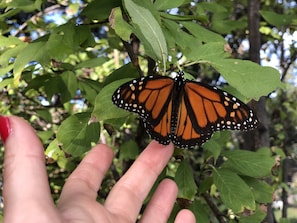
x: 27, y: 196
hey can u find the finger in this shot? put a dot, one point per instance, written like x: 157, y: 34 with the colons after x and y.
x: 161, y: 204
x: 185, y: 215
x: 25, y: 176
x: 128, y: 194
x: 86, y: 178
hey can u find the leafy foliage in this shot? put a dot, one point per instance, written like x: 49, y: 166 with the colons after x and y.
x: 60, y: 77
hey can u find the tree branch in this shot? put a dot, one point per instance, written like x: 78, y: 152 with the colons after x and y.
x: 34, y: 17
x: 214, y: 208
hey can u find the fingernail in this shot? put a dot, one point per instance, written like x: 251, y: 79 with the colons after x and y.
x: 4, y: 128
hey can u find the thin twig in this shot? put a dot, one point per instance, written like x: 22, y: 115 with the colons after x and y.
x: 34, y: 18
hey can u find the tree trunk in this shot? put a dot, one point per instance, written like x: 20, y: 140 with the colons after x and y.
x: 286, y: 168
x: 261, y: 137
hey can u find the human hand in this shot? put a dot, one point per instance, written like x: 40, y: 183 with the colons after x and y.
x: 27, y: 196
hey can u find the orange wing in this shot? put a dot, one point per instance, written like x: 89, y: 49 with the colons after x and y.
x: 185, y: 131
x: 162, y: 130
x: 204, y: 109
x: 150, y: 97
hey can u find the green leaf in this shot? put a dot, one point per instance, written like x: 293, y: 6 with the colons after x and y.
x: 266, y: 30
x: 10, y: 41
x: 176, y: 36
x: 170, y: 39
x: 220, y: 20
x: 89, y: 89
x: 100, y: 9
x: 168, y: 4
x: 185, y: 181
x: 26, y: 5
x: 45, y: 114
x: 54, y: 152
x: 284, y: 220
x: 129, y: 150
x: 234, y: 192
x: 62, y: 41
x: 276, y: 19
x: 213, y: 147
x: 150, y: 29
x: 249, y: 163
x: 205, y: 185
x: 45, y: 136
x: 84, y: 37
x: 6, y: 56
x: 200, y: 211
x: 203, y: 34
x: 121, y: 27
x: 250, y: 79
x: 77, y: 133
x: 90, y: 63
x: 70, y: 81
x: 6, y: 82
x: 263, y: 192
x: 208, y: 52
x: 104, y: 108
x: 257, y: 216
x: 64, y: 84
x: 214, y: 8
x: 31, y: 53
x: 227, y: 26
x: 125, y: 71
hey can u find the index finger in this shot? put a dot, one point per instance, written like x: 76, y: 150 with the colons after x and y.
x: 128, y: 194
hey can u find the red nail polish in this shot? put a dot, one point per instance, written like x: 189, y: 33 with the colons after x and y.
x: 4, y: 128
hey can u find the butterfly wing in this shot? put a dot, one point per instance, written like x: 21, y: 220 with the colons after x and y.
x: 150, y: 97
x: 205, y: 109
x: 162, y: 130
x: 185, y: 129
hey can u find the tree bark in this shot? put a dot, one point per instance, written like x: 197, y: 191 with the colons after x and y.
x: 261, y: 136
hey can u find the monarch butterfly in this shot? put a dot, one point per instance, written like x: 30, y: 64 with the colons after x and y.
x: 183, y: 111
